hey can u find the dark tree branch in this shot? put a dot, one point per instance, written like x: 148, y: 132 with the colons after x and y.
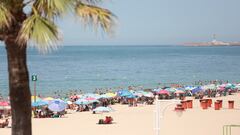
x: 2, y: 37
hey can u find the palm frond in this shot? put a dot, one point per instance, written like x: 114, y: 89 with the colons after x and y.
x: 52, y: 8
x: 92, y: 1
x: 40, y: 31
x: 5, y: 16
x: 96, y: 16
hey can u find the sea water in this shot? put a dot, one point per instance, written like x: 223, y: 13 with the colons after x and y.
x: 91, y: 67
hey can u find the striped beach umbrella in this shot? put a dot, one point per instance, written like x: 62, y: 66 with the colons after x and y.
x: 57, y: 105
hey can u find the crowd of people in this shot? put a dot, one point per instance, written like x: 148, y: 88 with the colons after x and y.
x: 130, y: 97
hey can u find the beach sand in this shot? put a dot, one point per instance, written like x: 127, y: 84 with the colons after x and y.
x: 141, y: 121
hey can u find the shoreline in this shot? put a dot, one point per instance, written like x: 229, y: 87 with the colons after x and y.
x: 140, y: 121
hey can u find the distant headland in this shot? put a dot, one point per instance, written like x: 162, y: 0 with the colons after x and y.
x: 214, y: 42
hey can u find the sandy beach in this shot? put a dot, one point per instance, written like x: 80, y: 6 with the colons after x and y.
x: 141, y: 121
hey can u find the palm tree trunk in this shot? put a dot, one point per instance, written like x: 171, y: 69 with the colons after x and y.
x: 20, y: 95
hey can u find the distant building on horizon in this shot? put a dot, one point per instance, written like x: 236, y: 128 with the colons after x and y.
x: 214, y: 42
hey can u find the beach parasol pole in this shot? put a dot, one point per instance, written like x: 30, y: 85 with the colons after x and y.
x: 34, y: 79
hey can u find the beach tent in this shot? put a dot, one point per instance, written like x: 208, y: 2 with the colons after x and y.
x: 57, y: 105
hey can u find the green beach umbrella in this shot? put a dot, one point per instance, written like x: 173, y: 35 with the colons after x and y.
x: 171, y: 89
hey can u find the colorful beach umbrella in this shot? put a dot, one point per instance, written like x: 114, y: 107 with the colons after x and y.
x: 39, y: 103
x: 4, y: 103
x: 48, y: 99
x: 57, y: 105
x: 195, y: 90
x: 37, y: 98
x: 163, y: 92
x: 237, y: 86
x: 103, y: 109
x: 171, y: 89
x: 179, y: 92
x: 130, y: 96
x: 148, y: 94
x: 111, y: 95
x: 82, y: 102
x: 124, y: 93
x: 103, y: 96
x: 156, y: 90
x: 189, y: 87
x: 90, y: 98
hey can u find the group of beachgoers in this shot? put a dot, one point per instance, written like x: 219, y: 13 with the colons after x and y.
x: 50, y: 107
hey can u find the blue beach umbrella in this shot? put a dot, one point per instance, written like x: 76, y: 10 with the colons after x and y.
x: 156, y: 90
x: 39, y: 103
x: 189, y: 88
x: 57, y: 105
x: 103, y: 109
x: 195, y: 90
x: 124, y: 93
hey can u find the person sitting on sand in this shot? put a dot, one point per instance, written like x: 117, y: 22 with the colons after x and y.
x: 108, y: 120
x: 3, y: 122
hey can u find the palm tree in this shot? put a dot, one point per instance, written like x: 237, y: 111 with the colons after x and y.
x: 24, y: 22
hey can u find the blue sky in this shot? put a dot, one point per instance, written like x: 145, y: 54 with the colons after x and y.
x: 161, y: 22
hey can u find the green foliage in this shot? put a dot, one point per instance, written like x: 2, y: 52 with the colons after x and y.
x: 42, y: 32
x: 40, y: 29
x: 96, y: 16
x: 53, y: 8
x: 5, y: 16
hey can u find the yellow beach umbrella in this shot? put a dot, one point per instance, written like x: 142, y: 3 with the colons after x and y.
x: 48, y: 98
x: 111, y: 94
x: 37, y: 98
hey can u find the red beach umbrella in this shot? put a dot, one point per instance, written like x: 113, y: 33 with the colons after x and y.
x: 4, y: 103
x: 179, y: 92
x: 163, y: 92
